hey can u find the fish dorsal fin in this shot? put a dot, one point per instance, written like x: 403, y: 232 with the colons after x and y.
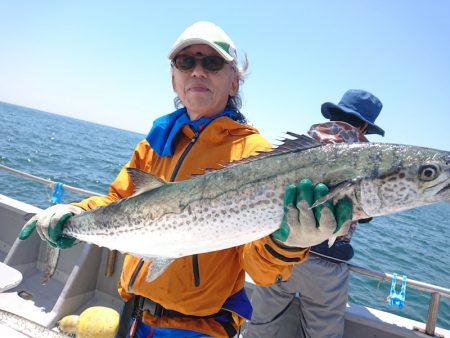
x: 295, y: 144
x: 144, y: 181
x: 288, y: 145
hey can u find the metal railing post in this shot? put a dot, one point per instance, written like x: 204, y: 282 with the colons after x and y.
x: 433, y: 309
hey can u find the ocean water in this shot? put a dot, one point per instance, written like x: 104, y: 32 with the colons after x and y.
x: 414, y: 243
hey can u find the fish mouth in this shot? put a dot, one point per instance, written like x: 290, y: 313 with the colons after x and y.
x: 444, y: 192
x: 440, y: 191
x: 444, y: 189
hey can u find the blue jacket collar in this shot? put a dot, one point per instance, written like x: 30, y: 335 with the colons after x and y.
x: 165, y: 128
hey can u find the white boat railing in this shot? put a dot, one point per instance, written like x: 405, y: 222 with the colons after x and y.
x: 435, y: 291
x: 49, y: 182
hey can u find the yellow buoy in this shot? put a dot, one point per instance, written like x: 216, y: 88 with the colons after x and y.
x: 94, y: 322
x: 68, y: 324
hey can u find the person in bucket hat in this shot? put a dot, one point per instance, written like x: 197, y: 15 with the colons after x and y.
x: 312, y: 302
x: 200, y: 295
x: 356, y: 107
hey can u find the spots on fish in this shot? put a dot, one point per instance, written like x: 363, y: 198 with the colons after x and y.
x: 220, y: 211
x: 270, y: 194
x: 374, y: 172
x: 390, y: 192
x: 388, y: 175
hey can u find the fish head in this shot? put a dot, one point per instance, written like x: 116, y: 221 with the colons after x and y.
x: 417, y: 178
x: 435, y: 181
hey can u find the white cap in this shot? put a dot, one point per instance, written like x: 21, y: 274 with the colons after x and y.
x: 205, y: 33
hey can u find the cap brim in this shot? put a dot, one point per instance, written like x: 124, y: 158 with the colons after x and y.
x: 196, y: 41
x: 374, y: 129
x: 328, y: 108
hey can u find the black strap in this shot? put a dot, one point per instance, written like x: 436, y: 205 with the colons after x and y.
x: 134, y: 308
x: 228, y: 327
x: 280, y: 256
x: 125, y: 318
x: 161, y: 311
x: 172, y: 313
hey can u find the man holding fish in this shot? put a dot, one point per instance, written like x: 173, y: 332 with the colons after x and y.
x: 202, y: 294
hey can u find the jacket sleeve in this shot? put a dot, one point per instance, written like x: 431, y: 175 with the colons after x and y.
x: 122, y: 186
x: 266, y: 262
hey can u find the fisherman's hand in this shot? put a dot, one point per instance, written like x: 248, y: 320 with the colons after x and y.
x: 49, y: 224
x: 304, y: 227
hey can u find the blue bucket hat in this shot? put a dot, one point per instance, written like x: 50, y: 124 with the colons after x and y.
x: 358, y: 103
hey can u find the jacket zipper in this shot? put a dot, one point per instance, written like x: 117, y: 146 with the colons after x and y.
x: 183, y: 156
x: 134, y: 275
x: 196, y: 270
x: 194, y: 257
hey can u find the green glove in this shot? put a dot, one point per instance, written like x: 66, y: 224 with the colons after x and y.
x: 49, y: 225
x: 304, y: 227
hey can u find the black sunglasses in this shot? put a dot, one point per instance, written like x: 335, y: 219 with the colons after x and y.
x: 210, y: 63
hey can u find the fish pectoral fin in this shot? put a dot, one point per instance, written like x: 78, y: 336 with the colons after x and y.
x: 51, y: 261
x: 144, y: 181
x: 157, y: 267
x: 331, y: 241
x: 341, y: 190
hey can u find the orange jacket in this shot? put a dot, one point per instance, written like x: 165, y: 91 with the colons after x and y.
x: 199, y: 285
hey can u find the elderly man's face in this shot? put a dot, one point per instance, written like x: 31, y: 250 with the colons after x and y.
x: 204, y: 92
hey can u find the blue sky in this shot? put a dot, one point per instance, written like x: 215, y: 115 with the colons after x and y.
x: 105, y: 61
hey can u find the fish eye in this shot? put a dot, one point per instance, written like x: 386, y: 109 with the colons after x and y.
x: 428, y: 172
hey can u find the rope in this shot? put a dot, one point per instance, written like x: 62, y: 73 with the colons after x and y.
x: 49, y: 182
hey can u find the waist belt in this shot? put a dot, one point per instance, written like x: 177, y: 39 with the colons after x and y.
x: 158, y: 310
x: 141, y: 304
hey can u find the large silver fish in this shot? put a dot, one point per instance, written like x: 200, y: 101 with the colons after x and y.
x: 243, y: 201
